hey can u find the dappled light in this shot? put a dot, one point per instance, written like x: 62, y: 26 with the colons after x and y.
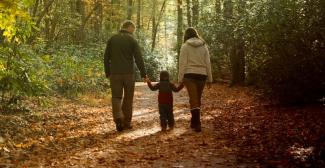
x: 162, y: 83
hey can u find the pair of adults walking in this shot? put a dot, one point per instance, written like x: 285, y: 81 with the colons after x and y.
x: 123, y: 52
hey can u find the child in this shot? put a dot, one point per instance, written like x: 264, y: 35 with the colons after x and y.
x: 165, y: 99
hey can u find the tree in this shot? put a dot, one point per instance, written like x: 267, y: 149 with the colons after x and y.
x: 129, y: 9
x: 189, y: 13
x: 99, y: 18
x: 196, y: 12
x: 155, y: 23
x: 139, y: 14
x: 237, y: 56
x: 179, y: 27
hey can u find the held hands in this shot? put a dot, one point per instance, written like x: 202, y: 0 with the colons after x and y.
x: 146, y: 79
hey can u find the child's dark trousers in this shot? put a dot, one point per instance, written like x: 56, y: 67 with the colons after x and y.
x: 166, y: 115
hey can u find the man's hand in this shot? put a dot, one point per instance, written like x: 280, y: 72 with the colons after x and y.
x: 146, y: 79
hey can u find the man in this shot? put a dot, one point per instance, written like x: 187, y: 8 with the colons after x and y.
x: 121, y: 52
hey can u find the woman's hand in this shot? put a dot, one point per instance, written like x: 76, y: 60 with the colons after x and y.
x: 209, y: 85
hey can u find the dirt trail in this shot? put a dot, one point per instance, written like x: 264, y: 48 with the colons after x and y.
x: 76, y: 135
x: 146, y: 146
x: 238, y: 131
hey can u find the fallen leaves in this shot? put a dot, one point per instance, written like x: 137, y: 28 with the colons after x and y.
x: 239, y: 130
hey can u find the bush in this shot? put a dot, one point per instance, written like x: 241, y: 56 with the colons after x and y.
x: 293, y: 71
x: 75, y: 69
x: 21, y: 74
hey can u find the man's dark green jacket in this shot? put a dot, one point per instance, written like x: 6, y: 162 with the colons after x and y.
x: 121, y: 52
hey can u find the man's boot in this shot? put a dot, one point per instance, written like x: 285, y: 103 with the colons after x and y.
x: 119, y: 124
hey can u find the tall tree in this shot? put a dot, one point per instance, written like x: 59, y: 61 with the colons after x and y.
x: 179, y: 27
x: 99, y: 18
x: 153, y: 33
x: 156, y: 25
x: 80, y: 9
x: 238, y: 58
x: 139, y: 14
x: 218, y: 7
x: 40, y: 15
x: 189, y: 13
x: 129, y: 9
x: 196, y: 12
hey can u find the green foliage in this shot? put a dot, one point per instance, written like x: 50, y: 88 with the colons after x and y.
x: 21, y: 74
x: 19, y: 68
x: 74, y: 69
x: 284, y: 46
x: 294, y: 42
x: 150, y: 58
x: 15, y: 22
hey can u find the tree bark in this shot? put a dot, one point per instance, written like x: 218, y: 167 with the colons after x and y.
x: 179, y: 27
x: 80, y: 9
x: 99, y: 18
x: 237, y: 57
x: 129, y: 9
x: 218, y: 7
x: 40, y: 17
x: 153, y: 35
x: 139, y: 14
x: 44, y: 12
x: 189, y: 13
x: 35, y: 8
x: 196, y: 12
x: 156, y: 25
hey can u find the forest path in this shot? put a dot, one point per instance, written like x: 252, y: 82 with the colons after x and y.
x: 73, y: 134
x: 146, y: 146
x: 239, y: 130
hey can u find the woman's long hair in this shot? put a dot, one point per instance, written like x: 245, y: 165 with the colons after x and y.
x: 191, y: 33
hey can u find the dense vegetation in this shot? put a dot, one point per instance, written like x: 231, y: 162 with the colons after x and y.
x: 50, y: 46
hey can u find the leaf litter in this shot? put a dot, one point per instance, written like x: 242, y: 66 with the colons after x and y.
x: 239, y: 130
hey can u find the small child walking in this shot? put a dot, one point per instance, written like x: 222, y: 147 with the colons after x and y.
x: 165, y: 99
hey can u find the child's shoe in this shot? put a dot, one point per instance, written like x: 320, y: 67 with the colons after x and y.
x: 163, y: 128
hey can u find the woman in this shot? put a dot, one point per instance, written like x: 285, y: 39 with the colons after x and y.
x: 194, y: 71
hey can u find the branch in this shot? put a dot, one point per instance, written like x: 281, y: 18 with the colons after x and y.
x: 44, y: 12
x: 88, y: 16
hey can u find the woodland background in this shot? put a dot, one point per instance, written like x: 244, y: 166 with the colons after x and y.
x: 55, y: 46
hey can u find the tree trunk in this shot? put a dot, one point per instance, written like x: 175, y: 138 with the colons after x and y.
x: 41, y: 15
x: 156, y: 25
x: 196, y: 12
x: 129, y: 9
x: 80, y: 9
x: 179, y: 27
x: 189, y: 13
x: 35, y: 8
x: 218, y: 7
x: 99, y: 18
x: 139, y: 15
x: 153, y: 35
x: 237, y: 56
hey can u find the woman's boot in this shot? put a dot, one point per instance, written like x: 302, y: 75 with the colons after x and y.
x: 192, y: 119
x: 197, y: 120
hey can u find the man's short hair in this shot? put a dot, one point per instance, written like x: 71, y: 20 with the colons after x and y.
x: 126, y: 24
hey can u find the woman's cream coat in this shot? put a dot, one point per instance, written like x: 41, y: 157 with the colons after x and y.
x: 194, y: 58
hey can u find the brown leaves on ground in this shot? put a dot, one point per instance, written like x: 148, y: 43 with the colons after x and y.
x: 239, y: 130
